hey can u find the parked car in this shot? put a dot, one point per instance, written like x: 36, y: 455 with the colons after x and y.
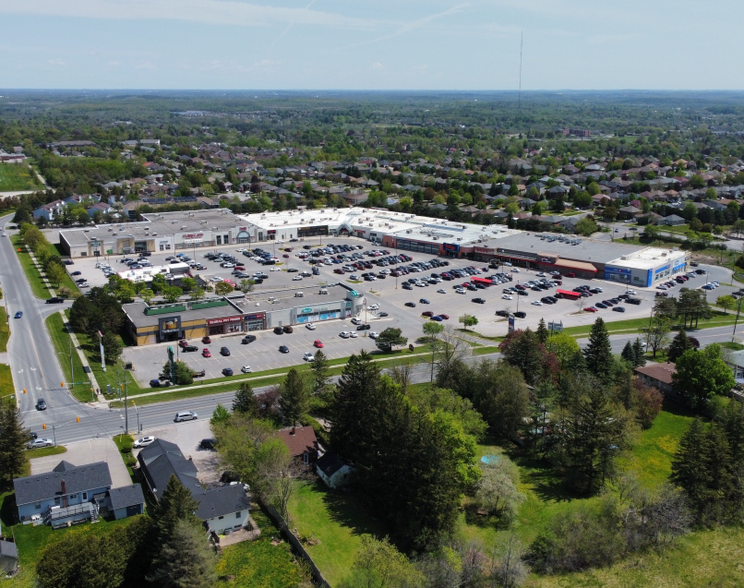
x: 208, y: 444
x: 54, y: 300
x: 288, y: 329
x: 283, y: 349
x: 227, y: 371
x: 246, y: 369
x: 206, y: 353
x: 206, y: 340
x: 318, y: 343
x: 144, y: 441
x: 190, y: 348
x: 224, y: 351
x: 248, y: 339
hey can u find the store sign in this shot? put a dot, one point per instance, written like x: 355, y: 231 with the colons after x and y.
x: 483, y: 250
x: 194, y: 236
x: 617, y: 270
x: 223, y: 321
x: 662, y: 269
x: 254, y: 317
x: 306, y: 311
x: 451, y: 247
x: 169, y: 324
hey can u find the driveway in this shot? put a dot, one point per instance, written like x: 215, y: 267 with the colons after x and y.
x: 84, y: 452
x: 187, y: 436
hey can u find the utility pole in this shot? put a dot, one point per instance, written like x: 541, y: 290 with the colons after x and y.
x: 72, y: 371
x: 126, y: 412
x: 736, y: 322
x: 103, y: 359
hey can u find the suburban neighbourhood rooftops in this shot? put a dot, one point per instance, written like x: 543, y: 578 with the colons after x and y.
x: 76, y: 479
x: 218, y: 502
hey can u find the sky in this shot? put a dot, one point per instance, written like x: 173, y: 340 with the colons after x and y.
x: 379, y: 45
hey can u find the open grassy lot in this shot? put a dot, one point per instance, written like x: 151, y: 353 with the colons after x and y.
x: 719, y: 319
x: 61, y: 339
x: 4, y: 329
x: 6, y: 380
x: 336, y: 520
x: 15, y: 177
x: 259, y: 564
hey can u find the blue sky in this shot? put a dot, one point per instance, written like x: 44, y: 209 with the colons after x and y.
x: 385, y: 44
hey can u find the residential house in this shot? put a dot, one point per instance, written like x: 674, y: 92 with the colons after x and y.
x: 658, y: 375
x: 101, y: 207
x: 65, y: 494
x: 126, y: 501
x: 301, y: 442
x: 628, y: 212
x: 672, y: 220
x: 333, y: 470
x: 223, y: 510
x: 50, y: 211
x: 735, y: 360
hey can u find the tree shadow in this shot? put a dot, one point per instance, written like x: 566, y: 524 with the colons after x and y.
x: 475, y: 518
x: 348, y: 509
x: 8, y: 510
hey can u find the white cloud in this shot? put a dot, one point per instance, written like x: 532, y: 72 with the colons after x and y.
x: 377, y: 65
x: 57, y: 62
x: 203, y: 11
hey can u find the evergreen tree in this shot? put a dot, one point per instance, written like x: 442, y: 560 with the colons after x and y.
x: 628, y: 354
x: 321, y: 374
x: 175, y: 504
x: 294, y: 400
x: 13, y: 440
x: 502, y: 397
x: 245, y: 401
x: 679, y: 345
x: 542, y: 331
x: 640, y: 354
x: 598, y: 352
x: 185, y: 561
x: 523, y: 350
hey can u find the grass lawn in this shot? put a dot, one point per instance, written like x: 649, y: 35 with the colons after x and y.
x: 41, y: 452
x: 61, y: 339
x: 336, y: 520
x: 32, y: 273
x: 15, y: 177
x: 719, y: 319
x: 4, y: 329
x: 6, y: 380
x: 259, y: 564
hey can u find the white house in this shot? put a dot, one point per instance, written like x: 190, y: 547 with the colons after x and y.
x: 224, y: 509
x: 332, y: 470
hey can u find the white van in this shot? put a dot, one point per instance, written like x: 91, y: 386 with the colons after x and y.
x: 299, y: 294
x: 323, y: 291
x: 186, y: 415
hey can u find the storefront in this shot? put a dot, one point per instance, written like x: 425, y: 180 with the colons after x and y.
x: 169, y: 329
x: 223, y: 326
x: 255, y: 322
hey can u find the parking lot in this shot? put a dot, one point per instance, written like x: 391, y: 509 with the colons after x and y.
x: 388, y: 293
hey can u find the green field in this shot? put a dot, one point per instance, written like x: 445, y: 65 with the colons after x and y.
x: 61, y: 339
x: 14, y: 177
x: 4, y: 329
x: 6, y: 381
x: 33, y: 274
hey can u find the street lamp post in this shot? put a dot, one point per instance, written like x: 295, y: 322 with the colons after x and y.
x: 139, y: 426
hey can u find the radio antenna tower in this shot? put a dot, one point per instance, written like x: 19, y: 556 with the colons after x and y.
x: 521, y: 44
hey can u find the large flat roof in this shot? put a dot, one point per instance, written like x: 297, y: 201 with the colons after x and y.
x: 648, y: 258
x: 588, y: 250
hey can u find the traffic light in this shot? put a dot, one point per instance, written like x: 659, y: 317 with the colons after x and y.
x: 19, y: 250
x: 62, y: 384
x: 43, y: 426
x: 24, y: 390
x: 77, y: 419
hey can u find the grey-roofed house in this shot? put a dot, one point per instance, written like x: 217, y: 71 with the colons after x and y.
x: 224, y: 509
x: 672, y: 220
x: 333, y: 470
x: 126, y: 501
x: 66, y: 494
x: 162, y: 459
x: 8, y: 557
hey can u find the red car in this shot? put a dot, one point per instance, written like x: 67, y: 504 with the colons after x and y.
x: 183, y: 343
x: 318, y: 343
x: 206, y: 340
x: 590, y: 309
x: 206, y: 352
x: 427, y: 313
x: 444, y: 316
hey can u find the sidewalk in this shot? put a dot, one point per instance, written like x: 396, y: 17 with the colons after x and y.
x: 83, y: 359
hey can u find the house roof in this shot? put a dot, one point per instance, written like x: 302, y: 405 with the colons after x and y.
x: 162, y: 459
x: 218, y: 502
x: 126, y: 496
x: 661, y: 372
x: 330, y: 463
x: 8, y: 549
x: 48, y: 485
x: 299, y: 440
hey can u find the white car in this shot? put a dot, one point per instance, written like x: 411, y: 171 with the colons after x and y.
x: 372, y: 334
x: 308, y: 356
x: 40, y: 442
x: 536, y: 303
x: 144, y: 441
x: 507, y: 297
x: 373, y: 307
x: 246, y: 369
x: 345, y: 334
x: 353, y: 334
x: 310, y: 326
x: 297, y: 279
x: 632, y: 292
x: 515, y: 270
x: 441, y: 291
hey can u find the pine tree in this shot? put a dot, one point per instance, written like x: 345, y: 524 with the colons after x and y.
x: 598, y: 352
x: 294, y: 400
x: 13, y: 440
x: 542, y: 331
x: 628, y: 354
x: 175, y: 504
x: 321, y: 375
x: 680, y: 344
x: 640, y: 354
x: 185, y: 559
x: 245, y: 401
x: 689, y: 470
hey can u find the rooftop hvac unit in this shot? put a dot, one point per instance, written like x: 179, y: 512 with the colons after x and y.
x: 183, y: 228
x: 114, y: 234
x: 409, y: 231
x: 434, y: 238
x: 154, y: 234
x: 459, y: 238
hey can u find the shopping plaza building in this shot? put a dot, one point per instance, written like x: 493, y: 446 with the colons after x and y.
x: 635, y: 265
